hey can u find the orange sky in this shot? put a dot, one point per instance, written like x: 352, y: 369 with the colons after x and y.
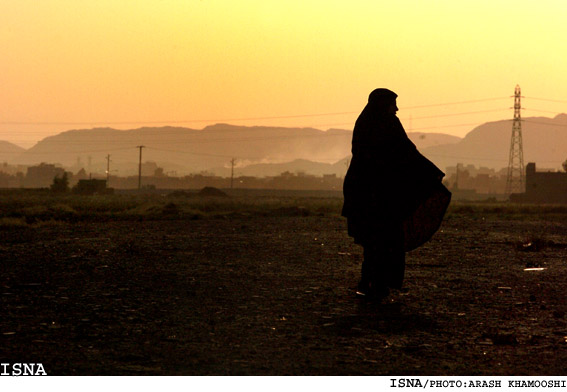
x: 69, y: 64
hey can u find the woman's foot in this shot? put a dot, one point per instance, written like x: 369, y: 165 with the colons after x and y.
x: 369, y: 291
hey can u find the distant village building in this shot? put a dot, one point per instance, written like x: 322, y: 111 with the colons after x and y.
x: 470, y: 183
x: 92, y: 187
x: 543, y: 187
x: 42, y: 176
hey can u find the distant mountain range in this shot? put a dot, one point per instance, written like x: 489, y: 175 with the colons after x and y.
x: 267, y: 151
x: 184, y: 150
x: 10, y: 152
x: 544, y: 142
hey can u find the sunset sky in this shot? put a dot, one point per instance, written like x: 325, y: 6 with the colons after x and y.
x: 73, y: 64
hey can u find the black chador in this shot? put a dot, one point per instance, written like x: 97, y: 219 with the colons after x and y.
x: 390, y: 190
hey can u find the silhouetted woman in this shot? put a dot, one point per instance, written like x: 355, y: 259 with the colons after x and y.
x: 385, y: 183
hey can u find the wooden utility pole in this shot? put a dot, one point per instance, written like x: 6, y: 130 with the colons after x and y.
x: 232, y: 162
x: 456, y: 186
x: 140, y: 168
x: 107, y: 169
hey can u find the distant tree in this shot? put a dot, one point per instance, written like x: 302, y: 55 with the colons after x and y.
x: 81, y: 174
x: 159, y: 172
x: 564, y: 165
x: 60, y: 185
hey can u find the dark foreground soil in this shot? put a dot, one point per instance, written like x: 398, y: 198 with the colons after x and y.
x: 253, y: 295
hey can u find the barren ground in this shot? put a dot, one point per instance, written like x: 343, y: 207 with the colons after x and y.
x: 273, y: 295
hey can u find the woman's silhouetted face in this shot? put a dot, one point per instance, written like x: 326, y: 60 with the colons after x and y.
x: 393, y: 108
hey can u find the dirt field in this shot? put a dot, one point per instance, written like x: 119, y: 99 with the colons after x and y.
x: 253, y: 294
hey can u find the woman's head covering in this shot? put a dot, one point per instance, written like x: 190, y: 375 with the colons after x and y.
x: 375, y: 121
x: 381, y: 99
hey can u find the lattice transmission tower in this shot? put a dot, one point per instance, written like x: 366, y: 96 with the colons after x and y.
x: 515, y: 180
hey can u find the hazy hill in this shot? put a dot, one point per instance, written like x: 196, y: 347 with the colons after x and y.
x: 544, y: 142
x: 9, y: 152
x: 267, y: 151
x: 186, y: 150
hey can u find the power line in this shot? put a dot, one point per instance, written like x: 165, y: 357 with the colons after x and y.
x: 259, y: 138
x: 228, y: 119
x: 248, y: 139
x: 446, y: 126
x: 544, y: 123
x: 463, y: 157
x: 547, y: 100
x: 244, y: 139
x: 258, y: 118
x: 196, y: 153
x: 69, y: 152
x: 252, y: 138
x: 479, y: 158
x: 460, y: 114
x: 224, y: 156
x: 346, y: 133
x: 454, y: 103
x: 541, y: 111
x: 337, y: 159
x: 173, y: 121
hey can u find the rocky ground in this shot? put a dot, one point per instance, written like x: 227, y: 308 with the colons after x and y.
x: 273, y: 295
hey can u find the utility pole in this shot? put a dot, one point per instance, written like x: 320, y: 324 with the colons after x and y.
x: 232, y: 162
x: 140, y: 168
x: 456, y: 186
x: 107, y: 169
x: 515, y: 179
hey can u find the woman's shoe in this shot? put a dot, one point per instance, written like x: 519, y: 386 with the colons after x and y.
x: 369, y: 292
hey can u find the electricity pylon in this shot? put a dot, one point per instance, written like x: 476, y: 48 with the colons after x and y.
x: 515, y: 179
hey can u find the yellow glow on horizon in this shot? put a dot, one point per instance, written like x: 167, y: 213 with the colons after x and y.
x: 181, y: 60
